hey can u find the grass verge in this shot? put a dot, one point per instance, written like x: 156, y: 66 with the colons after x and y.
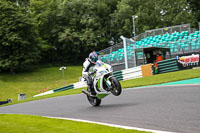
x: 151, y: 80
x: 31, y: 83
x: 12, y: 123
x: 162, y: 78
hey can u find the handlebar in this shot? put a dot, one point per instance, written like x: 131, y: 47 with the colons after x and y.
x: 92, y: 73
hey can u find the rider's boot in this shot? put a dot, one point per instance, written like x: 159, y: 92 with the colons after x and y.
x: 92, y: 92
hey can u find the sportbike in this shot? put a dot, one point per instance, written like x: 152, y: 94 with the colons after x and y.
x: 104, y: 83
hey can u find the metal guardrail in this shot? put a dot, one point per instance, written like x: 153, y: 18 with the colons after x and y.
x: 131, y: 73
x: 164, y: 66
x: 115, y: 55
x: 161, y: 31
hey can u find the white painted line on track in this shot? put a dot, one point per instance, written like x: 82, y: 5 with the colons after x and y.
x: 111, y: 125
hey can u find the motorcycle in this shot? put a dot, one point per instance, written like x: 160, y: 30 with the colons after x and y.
x: 104, y: 83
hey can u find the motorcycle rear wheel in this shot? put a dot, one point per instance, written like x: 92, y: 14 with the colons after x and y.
x: 116, y: 86
x: 94, y: 101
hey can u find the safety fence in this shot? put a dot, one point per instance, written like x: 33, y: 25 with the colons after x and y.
x: 169, y: 65
x: 132, y: 73
x: 5, y: 102
x: 180, y: 39
x: 176, y: 64
x: 68, y: 87
x: 135, y: 72
x: 187, y: 44
x: 199, y: 25
x: 165, y: 30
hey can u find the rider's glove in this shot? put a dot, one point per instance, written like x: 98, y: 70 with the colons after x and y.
x: 91, y: 73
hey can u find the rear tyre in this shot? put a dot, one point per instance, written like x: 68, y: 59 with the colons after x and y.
x: 94, y: 101
x: 116, y: 86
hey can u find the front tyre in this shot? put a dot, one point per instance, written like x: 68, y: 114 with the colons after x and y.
x: 116, y: 86
x: 94, y: 101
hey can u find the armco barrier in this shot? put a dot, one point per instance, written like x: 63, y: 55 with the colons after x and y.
x: 72, y: 86
x: 131, y: 73
x: 169, y: 65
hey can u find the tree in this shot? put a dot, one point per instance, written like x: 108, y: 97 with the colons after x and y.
x: 194, y: 6
x: 18, y: 38
x: 46, y: 14
x: 69, y: 29
x: 85, y: 26
x: 176, y: 12
x: 22, y: 3
x: 122, y: 19
x: 157, y: 14
x: 151, y: 14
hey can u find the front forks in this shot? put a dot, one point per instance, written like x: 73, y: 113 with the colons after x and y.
x: 108, y: 84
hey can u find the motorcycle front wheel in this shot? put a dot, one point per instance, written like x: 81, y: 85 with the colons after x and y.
x: 94, y: 101
x: 116, y: 86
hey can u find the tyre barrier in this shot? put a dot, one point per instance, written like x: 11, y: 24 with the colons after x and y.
x: 164, y: 66
x: 5, y: 102
x: 168, y: 65
x: 131, y: 73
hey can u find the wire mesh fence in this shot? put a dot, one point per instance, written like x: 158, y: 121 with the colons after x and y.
x: 165, y: 30
x: 179, y: 39
x: 199, y: 26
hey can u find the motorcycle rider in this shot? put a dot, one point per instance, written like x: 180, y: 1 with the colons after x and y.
x: 90, y: 62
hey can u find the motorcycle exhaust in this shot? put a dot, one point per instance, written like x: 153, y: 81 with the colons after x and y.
x: 87, y: 93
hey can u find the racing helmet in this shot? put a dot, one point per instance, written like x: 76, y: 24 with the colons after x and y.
x: 93, y: 57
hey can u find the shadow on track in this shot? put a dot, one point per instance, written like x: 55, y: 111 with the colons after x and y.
x: 112, y: 106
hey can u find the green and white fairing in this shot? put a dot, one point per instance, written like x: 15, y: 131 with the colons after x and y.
x: 101, y: 79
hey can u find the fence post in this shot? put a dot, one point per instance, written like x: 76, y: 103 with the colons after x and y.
x: 125, y: 52
x: 134, y: 47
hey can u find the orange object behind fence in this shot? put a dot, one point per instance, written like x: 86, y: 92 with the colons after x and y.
x: 159, y: 58
x: 146, y: 70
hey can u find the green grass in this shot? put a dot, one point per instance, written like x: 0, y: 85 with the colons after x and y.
x: 162, y: 78
x: 12, y: 123
x: 62, y: 93
x: 31, y: 83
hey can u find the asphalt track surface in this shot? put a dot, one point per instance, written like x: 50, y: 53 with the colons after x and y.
x: 166, y: 108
